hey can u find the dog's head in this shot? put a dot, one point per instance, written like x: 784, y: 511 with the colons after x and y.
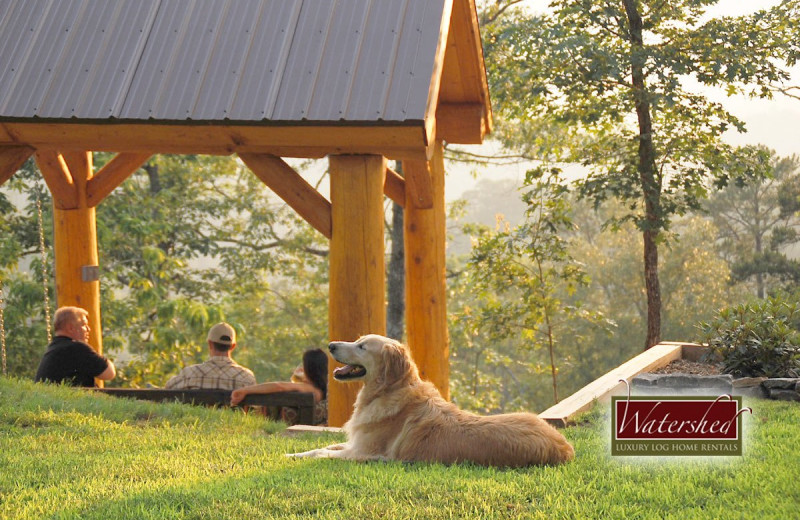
x: 372, y: 358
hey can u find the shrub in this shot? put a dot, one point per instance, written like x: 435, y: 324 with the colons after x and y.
x: 757, y: 339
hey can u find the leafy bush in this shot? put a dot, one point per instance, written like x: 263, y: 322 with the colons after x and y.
x: 757, y: 339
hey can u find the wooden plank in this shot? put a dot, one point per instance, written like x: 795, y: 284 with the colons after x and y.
x: 603, y: 388
x: 11, y: 159
x: 419, y: 187
x: 305, y: 428
x: 58, y: 178
x: 357, y: 271
x: 426, y: 290
x: 394, y: 141
x: 112, y: 175
x: 292, y: 188
x: 395, y: 187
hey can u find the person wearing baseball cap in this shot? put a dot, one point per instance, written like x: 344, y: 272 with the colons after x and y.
x: 220, y: 372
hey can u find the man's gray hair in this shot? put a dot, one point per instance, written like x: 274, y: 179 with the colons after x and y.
x: 66, y: 315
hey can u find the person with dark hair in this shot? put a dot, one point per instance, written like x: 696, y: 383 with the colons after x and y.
x: 69, y: 358
x: 220, y: 372
x: 312, y: 379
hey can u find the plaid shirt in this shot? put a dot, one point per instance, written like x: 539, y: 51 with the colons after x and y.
x: 219, y: 372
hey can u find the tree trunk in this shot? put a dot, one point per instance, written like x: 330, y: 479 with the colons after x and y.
x: 651, y: 187
x: 759, y: 235
x: 395, y: 310
x: 151, y: 169
x: 760, y: 283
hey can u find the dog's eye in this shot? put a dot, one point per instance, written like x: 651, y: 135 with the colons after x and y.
x: 361, y: 346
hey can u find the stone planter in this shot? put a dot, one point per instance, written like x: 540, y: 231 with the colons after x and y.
x: 638, y: 373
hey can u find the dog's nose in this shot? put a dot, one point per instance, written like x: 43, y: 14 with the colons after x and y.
x: 332, y: 347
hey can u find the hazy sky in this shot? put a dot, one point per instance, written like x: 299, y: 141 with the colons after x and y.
x: 774, y: 123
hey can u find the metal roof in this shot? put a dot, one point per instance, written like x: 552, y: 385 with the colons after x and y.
x: 245, y: 61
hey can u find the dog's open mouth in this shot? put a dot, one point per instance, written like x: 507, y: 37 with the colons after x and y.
x: 349, y: 372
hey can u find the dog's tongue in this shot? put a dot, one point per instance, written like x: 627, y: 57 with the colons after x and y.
x: 343, y: 371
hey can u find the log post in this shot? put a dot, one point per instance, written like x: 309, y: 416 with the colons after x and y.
x: 357, y: 272
x: 75, y: 237
x: 426, y: 304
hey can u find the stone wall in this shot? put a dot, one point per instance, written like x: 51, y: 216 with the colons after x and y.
x: 784, y: 389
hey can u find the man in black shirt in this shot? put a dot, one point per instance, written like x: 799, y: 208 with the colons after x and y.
x: 69, y: 359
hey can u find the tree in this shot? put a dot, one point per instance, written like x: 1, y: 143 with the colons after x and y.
x: 531, y: 264
x: 695, y: 278
x: 603, y: 84
x: 190, y: 240
x: 396, y: 272
x: 758, y: 221
x: 25, y: 274
x: 184, y: 242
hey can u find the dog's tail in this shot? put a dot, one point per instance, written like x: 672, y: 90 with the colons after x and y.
x: 562, y: 451
x: 555, y: 448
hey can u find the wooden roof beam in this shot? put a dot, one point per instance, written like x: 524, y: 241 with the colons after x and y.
x: 292, y: 188
x: 406, y: 141
x: 11, y: 159
x: 112, y: 175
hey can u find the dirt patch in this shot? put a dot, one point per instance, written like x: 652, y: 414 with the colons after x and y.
x: 690, y: 367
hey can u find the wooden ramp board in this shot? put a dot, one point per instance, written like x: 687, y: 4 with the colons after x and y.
x: 602, y: 389
x: 305, y: 428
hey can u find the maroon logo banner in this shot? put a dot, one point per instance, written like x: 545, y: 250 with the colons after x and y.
x: 677, y: 425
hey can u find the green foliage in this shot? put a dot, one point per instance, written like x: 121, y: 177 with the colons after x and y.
x: 757, y: 339
x: 185, y: 242
x: 604, y: 85
x: 520, y: 278
x: 79, y: 456
x: 21, y: 273
x: 758, y: 221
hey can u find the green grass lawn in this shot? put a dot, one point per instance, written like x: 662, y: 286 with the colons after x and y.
x: 67, y: 454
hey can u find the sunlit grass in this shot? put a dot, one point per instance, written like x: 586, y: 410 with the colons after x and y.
x: 65, y: 453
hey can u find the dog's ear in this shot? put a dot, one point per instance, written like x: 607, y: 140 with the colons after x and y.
x: 396, y: 363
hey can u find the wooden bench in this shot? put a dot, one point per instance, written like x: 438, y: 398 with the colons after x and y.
x: 304, y: 402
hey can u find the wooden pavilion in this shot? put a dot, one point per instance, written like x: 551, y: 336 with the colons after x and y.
x: 357, y: 81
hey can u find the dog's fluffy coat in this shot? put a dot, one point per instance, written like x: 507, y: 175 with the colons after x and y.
x: 398, y: 416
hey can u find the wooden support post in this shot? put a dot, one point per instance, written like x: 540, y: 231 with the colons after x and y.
x: 357, y: 272
x: 426, y: 305
x: 75, y: 237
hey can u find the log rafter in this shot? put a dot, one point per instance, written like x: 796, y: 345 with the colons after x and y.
x: 11, y: 159
x: 292, y: 188
x: 112, y: 175
x: 87, y: 190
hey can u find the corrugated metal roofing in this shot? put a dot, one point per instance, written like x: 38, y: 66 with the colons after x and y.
x: 218, y: 60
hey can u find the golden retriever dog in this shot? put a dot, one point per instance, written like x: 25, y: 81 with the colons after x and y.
x: 397, y: 416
